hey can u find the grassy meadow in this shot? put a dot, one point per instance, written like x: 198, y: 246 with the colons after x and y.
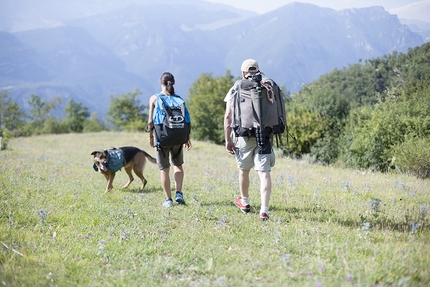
x: 328, y: 226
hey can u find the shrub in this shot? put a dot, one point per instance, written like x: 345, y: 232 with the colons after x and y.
x: 5, y: 136
x: 413, y: 157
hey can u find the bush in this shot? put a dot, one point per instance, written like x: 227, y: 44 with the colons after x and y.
x: 53, y: 126
x: 5, y: 136
x: 413, y: 157
x: 306, y: 126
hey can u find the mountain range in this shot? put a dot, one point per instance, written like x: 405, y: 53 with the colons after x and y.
x: 87, y: 51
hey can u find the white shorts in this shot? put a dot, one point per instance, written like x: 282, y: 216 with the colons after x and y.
x: 247, y: 156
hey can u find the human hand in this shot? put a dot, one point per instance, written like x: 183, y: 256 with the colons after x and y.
x: 229, y: 146
x: 188, y: 145
x: 151, y: 141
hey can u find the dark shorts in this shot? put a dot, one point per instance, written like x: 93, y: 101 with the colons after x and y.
x: 167, y: 155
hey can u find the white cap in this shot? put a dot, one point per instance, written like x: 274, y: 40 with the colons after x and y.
x: 249, y: 66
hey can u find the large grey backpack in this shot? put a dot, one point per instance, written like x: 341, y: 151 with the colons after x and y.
x: 258, y: 103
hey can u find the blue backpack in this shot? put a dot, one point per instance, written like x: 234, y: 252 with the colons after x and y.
x: 172, y: 121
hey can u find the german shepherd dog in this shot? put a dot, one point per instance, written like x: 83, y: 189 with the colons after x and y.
x: 134, y: 159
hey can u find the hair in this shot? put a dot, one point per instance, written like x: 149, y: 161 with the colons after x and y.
x: 167, y: 80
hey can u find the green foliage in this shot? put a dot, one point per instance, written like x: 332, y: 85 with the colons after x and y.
x: 94, y: 124
x: 76, y: 116
x: 402, y: 113
x: 361, y: 83
x: 367, y: 108
x: 54, y: 126
x: 307, y: 127
x: 126, y: 113
x: 322, y: 113
x: 5, y: 136
x: 12, y: 117
x: 413, y: 157
x: 206, y: 106
x: 359, y: 155
x: 40, y: 112
x: 415, y: 63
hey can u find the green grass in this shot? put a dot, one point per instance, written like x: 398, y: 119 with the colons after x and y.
x: 328, y: 226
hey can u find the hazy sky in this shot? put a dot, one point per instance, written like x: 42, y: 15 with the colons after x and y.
x: 263, y: 6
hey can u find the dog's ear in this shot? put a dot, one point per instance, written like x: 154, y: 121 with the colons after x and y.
x: 94, y: 152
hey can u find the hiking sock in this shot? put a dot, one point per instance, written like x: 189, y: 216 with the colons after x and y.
x: 245, y: 201
x: 264, y: 209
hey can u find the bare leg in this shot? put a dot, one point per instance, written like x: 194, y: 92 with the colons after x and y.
x: 179, y: 177
x: 265, y: 187
x: 244, y: 182
x: 165, y: 182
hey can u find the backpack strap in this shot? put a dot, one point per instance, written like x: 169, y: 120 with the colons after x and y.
x: 237, y: 106
x: 163, y: 101
x: 270, y: 94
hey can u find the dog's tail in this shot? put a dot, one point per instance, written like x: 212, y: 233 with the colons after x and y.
x: 149, y: 157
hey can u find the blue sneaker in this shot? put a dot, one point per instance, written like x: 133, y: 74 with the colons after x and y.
x: 168, y: 203
x: 180, y: 198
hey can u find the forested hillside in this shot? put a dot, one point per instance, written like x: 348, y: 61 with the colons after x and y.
x: 374, y: 114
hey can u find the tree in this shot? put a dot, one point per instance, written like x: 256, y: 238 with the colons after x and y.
x: 76, y: 116
x: 40, y: 110
x: 206, y: 106
x: 126, y: 112
x: 12, y: 117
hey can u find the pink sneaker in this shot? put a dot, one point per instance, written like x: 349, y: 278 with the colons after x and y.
x: 264, y: 216
x: 243, y: 208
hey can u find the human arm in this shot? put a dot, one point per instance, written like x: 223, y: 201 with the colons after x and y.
x: 228, y: 117
x: 150, y: 120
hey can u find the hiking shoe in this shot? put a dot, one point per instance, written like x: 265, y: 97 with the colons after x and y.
x: 168, y: 203
x: 243, y: 208
x: 180, y: 198
x: 264, y: 216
